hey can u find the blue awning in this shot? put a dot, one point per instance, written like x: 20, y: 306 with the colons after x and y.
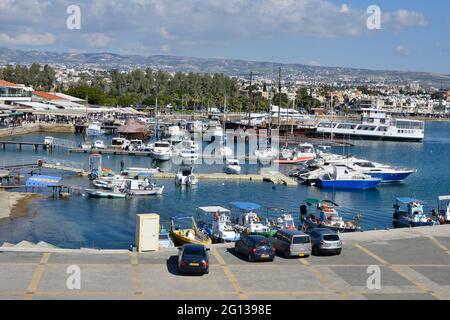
x: 247, y: 206
x: 43, y: 181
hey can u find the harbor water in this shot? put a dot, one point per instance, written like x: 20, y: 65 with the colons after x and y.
x: 80, y: 221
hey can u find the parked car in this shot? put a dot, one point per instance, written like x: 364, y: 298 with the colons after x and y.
x: 194, y: 259
x: 292, y: 243
x: 255, y: 248
x: 325, y: 241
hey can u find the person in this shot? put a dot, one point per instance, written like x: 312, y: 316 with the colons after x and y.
x: 122, y: 165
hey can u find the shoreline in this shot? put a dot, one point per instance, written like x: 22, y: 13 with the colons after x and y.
x: 15, y: 204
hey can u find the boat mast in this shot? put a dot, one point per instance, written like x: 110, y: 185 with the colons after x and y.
x: 251, y: 99
x: 279, y: 98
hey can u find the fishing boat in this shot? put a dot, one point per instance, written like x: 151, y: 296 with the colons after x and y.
x: 161, y: 151
x: 116, y: 193
x: 135, y: 188
x: 99, y: 144
x: 49, y: 142
x: 304, y: 152
x: 443, y: 210
x: 324, y: 214
x: 184, y: 235
x: 232, y: 166
x: 95, y: 129
x: 247, y: 220
x: 222, y: 230
x: 344, y: 177
x: 186, y: 177
x: 284, y: 220
x: 120, y: 143
x: 409, y: 213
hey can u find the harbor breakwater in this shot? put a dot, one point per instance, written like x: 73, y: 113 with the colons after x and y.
x: 37, y: 127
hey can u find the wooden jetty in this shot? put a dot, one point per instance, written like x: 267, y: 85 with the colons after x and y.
x: 20, y: 144
x: 274, y: 177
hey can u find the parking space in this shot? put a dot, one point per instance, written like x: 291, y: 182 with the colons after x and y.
x: 413, y: 268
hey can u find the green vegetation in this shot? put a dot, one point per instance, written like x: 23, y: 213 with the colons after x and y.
x: 40, y: 78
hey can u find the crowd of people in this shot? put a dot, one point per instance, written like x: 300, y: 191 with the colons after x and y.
x: 11, y: 121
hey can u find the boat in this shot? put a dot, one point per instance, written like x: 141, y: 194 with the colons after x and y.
x: 266, y: 154
x: 99, y: 144
x: 49, y: 142
x: 304, y: 152
x: 95, y: 129
x: 375, y: 124
x: 120, y: 143
x: 187, y: 235
x: 284, y: 221
x: 113, y: 194
x: 136, y: 145
x: 442, y: 213
x: 165, y: 241
x: 247, y: 220
x: 213, y: 131
x: 409, y: 213
x: 175, y: 134
x: 232, y: 166
x: 324, y: 214
x: 344, y: 177
x: 222, y: 229
x: 189, y: 154
x: 185, y: 177
x: 135, y: 188
x: 161, y: 151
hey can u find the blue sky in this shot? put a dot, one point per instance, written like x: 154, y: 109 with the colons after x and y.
x: 415, y: 34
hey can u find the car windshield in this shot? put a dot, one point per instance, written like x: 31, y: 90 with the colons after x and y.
x: 331, y: 237
x: 194, y: 252
x: 299, y: 240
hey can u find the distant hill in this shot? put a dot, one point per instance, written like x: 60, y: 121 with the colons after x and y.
x: 230, y: 67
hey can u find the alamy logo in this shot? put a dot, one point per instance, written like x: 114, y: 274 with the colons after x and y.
x: 374, y: 19
x: 73, y: 22
x: 74, y: 280
x: 374, y: 280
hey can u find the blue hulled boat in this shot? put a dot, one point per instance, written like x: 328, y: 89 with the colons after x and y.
x: 409, y: 213
x: 344, y: 177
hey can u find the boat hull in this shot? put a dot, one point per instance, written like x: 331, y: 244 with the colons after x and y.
x: 391, y: 177
x: 294, y: 161
x: 348, y: 184
x: 180, y: 240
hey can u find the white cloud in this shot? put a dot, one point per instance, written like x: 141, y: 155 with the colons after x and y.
x: 97, y: 40
x: 402, y: 51
x: 27, y: 39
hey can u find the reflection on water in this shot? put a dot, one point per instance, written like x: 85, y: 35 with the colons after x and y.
x: 82, y: 221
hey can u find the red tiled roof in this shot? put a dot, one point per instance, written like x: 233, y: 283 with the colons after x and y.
x: 47, y: 96
x: 4, y: 83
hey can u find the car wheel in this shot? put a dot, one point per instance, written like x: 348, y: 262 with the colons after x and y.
x: 316, y: 251
x: 249, y: 258
x: 236, y: 249
x: 287, y: 254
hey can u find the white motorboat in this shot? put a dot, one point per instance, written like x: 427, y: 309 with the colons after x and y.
x: 134, y: 187
x: 175, y: 134
x: 49, y: 142
x: 344, y: 177
x: 304, y: 152
x: 95, y: 129
x: 266, y: 154
x: 185, y: 176
x: 136, y: 145
x: 222, y: 229
x: 114, y: 194
x: 120, y: 143
x: 213, y: 131
x: 99, y: 144
x: 161, y: 151
x: 232, y: 166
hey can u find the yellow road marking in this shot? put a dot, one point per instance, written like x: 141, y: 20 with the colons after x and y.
x: 371, y: 254
x: 419, y: 285
x: 304, y: 262
x: 37, y: 276
x: 136, y: 276
x: 234, y: 282
x: 439, y: 244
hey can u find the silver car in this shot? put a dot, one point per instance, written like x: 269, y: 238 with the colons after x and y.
x: 292, y: 243
x: 325, y: 241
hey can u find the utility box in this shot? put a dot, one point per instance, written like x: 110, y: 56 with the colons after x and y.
x: 147, y: 232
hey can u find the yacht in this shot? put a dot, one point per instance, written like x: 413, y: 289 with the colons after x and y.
x: 120, y: 143
x: 185, y: 177
x: 266, y: 154
x: 344, y: 177
x: 99, y: 144
x: 161, y: 151
x: 175, y: 134
x: 304, y: 152
x: 95, y: 129
x: 213, y: 131
x: 232, y: 166
x: 375, y: 124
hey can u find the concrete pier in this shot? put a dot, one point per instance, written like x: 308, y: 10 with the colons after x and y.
x: 413, y: 264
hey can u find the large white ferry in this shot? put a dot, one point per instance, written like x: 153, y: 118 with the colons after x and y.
x: 375, y: 124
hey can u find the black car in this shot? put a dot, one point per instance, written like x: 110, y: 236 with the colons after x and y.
x: 255, y: 248
x: 194, y: 259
